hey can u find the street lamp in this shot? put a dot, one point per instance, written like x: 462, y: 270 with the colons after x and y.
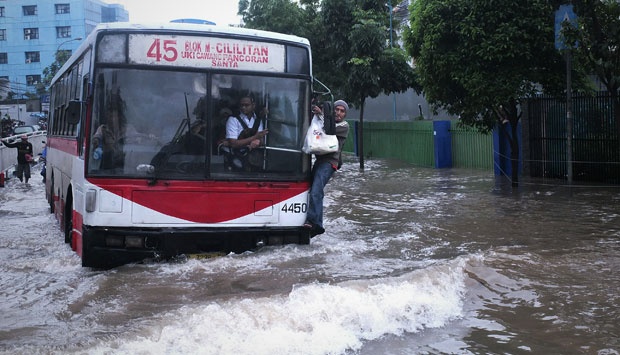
x: 67, y: 41
x: 60, y: 59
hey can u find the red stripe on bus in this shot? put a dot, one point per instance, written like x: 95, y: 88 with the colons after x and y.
x: 204, y: 202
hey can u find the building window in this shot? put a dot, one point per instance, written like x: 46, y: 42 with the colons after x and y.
x: 32, y: 57
x: 32, y: 80
x: 30, y: 10
x: 63, y: 32
x: 4, y: 58
x: 63, y: 9
x: 1, y: 11
x: 31, y: 33
x: 2, y: 35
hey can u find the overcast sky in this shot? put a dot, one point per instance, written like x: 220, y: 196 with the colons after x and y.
x: 222, y: 12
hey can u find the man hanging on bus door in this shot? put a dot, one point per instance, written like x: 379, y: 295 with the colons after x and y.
x: 324, y: 167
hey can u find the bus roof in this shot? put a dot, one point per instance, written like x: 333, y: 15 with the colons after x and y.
x: 192, y: 27
x: 181, y: 28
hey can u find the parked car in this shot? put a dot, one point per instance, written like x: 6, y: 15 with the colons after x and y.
x: 25, y: 129
x: 39, y: 115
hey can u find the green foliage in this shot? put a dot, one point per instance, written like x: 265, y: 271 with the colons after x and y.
x: 476, y: 58
x: 50, y: 71
x: 366, y: 65
x: 598, y: 39
x: 349, y: 39
x: 281, y: 16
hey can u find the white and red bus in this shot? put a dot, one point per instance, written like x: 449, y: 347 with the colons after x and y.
x: 163, y: 188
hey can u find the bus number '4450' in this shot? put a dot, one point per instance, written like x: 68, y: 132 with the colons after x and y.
x: 297, y: 207
x: 170, y: 53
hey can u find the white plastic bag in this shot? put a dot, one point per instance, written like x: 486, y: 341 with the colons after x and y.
x: 317, y: 141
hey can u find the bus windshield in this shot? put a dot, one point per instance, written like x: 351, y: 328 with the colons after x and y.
x: 160, y: 124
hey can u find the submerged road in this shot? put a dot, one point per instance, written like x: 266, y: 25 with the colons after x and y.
x: 414, y: 261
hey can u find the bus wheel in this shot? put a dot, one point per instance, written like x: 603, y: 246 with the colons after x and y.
x: 68, y: 218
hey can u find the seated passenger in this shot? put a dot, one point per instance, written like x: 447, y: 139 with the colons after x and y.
x: 238, y: 131
x: 195, y: 139
x: 244, y: 133
x: 219, y: 131
x: 109, y: 138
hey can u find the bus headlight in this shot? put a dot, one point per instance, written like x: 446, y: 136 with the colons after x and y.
x: 127, y: 241
x: 114, y: 241
x: 276, y: 240
x: 133, y: 241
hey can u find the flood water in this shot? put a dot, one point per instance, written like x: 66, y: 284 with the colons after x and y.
x: 414, y: 261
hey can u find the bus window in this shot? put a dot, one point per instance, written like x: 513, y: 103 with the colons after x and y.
x: 281, y: 106
x: 163, y: 125
x: 141, y: 125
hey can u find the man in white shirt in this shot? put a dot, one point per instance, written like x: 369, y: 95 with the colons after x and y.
x: 252, y: 136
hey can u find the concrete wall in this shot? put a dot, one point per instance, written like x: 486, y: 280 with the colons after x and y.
x: 396, y: 107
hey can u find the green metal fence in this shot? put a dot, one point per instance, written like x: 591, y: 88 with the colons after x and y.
x: 413, y: 142
x: 595, y: 151
x: 595, y: 156
x: 470, y: 148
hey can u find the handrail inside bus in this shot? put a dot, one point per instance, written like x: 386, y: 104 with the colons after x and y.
x: 282, y: 149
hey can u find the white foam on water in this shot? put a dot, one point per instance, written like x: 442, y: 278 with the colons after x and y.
x: 316, y: 318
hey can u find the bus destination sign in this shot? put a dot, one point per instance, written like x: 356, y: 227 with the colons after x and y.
x: 206, y: 52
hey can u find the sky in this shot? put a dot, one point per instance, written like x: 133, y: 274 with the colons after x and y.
x: 222, y: 12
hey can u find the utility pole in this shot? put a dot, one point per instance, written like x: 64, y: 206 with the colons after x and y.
x: 565, y: 14
x: 392, y: 46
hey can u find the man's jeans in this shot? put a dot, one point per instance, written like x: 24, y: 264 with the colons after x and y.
x: 321, y: 173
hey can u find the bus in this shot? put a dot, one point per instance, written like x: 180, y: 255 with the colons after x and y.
x: 166, y: 186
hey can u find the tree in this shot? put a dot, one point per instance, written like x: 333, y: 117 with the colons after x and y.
x: 282, y: 16
x: 359, y: 61
x: 301, y: 18
x: 478, y: 59
x: 351, y: 51
x: 598, y: 49
x: 50, y: 71
x: 373, y: 67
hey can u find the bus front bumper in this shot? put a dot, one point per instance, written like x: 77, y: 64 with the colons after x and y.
x: 112, y: 247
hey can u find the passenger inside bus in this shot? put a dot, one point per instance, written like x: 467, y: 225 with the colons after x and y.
x: 196, y: 139
x: 114, y: 133
x: 219, y: 130
x: 241, y: 131
x: 245, y: 133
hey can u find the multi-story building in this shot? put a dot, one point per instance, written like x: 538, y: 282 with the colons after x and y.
x: 32, y: 31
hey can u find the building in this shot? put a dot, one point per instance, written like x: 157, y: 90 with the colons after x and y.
x: 32, y: 31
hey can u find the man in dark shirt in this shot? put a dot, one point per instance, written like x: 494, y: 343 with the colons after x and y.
x: 323, y: 169
x: 24, y: 157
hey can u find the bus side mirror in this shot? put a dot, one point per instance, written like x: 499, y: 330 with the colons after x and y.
x: 74, y: 111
